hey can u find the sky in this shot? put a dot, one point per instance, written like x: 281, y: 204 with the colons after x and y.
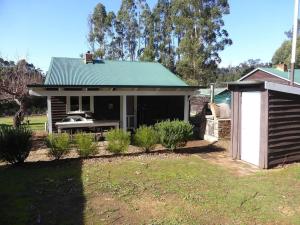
x: 38, y: 30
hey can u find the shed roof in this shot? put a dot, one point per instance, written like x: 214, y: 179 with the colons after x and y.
x: 276, y: 72
x: 261, y: 86
x: 74, y: 72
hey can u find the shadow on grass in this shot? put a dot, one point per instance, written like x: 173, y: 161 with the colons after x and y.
x: 52, y: 192
x: 42, y: 193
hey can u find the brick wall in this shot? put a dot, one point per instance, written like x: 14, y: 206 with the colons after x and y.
x: 217, y: 129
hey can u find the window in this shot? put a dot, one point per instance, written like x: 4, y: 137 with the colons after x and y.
x: 80, y: 104
x: 74, y: 103
x: 86, y: 103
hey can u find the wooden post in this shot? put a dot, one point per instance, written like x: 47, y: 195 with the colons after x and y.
x: 294, y: 42
x: 49, y: 114
x: 212, y: 93
x: 135, y: 111
x: 123, y: 107
x: 186, y: 108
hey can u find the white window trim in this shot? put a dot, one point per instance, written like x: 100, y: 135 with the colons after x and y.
x: 80, y: 105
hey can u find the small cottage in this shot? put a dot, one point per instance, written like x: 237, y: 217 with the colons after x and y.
x: 107, y: 93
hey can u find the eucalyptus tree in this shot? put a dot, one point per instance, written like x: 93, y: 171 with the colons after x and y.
x: 163, y: 30
x: 128, y: 23
x: 184, y: 35
x: 100, y: 25
x: 202, y: 36
x: 147, y: 52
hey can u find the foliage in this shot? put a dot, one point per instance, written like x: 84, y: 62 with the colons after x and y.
x: 174, y: 134
x: 283, y: 54
x: 99, y: 29
x: 85, y: 144
x: 118, y: 141
x: 199, y: 26
x: 14, y: 79
x: 233, y: 73
x: 15, y: 144
x: 58, y: 145
x: 186, y: 36
x: 33, y: 105
x: 146, y: 138
x: 289, y: 33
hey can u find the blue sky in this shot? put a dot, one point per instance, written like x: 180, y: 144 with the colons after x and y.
x: 38, y: 30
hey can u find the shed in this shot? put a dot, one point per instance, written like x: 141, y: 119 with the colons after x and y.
x: 265, y: 128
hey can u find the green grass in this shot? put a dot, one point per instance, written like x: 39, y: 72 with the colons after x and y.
x: 36, y: 123
x: 184, y: 190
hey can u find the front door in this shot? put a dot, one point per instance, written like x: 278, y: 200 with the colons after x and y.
x: 250, y: 127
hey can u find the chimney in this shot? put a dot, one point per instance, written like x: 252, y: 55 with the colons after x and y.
x: 88, y: 57
x: 282, y: 67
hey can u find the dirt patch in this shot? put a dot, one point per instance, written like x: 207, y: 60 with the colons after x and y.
x: 38, y: 140
x: 223, y: 159
x: 109, y: 210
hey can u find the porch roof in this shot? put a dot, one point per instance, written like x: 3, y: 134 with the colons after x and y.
x: 74, y: 72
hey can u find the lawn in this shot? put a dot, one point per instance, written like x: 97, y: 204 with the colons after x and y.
x: 167, y: 190
x: 36, y: 123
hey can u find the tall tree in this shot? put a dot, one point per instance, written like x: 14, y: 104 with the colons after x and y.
x: 100, y: 24
x: 147, y: 52
x: 127, y: 17
x: 283, y: 54
x: 163, y: 28
x: 13, y: 85
x: 184, y: 35
x: 202, y: 37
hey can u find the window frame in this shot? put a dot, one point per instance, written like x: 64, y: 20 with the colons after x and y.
x: 80, y: 104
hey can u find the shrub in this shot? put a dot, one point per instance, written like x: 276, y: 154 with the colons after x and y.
x: 85, y: 144
x: 118, y: 141
x: 146, y: 138
x: 174, y: 134
x: 58, y: 145
x: 15, y: 144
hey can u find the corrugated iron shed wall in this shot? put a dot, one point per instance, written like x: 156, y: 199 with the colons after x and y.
x: 284, y: 128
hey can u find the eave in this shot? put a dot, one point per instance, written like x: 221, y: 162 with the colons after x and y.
x: 109, y: 90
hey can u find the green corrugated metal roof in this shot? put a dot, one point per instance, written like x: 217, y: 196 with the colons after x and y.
x: 206, y: 91
x: 282, y: 74
x: 73, y: 71
x: 222, y: 95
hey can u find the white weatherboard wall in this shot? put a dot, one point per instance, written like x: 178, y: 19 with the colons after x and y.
x: 250, y: 127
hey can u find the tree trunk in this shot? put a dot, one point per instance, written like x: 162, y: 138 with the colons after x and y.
x: 19, y: 116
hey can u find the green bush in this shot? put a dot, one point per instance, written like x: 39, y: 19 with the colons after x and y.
x: 146, y: 138
x: 58, y: 145
x: 174, y: 134
x: 118, y: 141
x: 15, y: 144
x: 85, y: 144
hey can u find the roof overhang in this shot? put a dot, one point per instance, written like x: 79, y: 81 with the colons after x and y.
x: 261, y: 86
x: 109, y: 90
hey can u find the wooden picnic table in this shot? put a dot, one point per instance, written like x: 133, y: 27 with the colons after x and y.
x: 87, y: 124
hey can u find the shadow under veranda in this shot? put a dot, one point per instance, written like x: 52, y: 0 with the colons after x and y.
x: 47, y: 192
